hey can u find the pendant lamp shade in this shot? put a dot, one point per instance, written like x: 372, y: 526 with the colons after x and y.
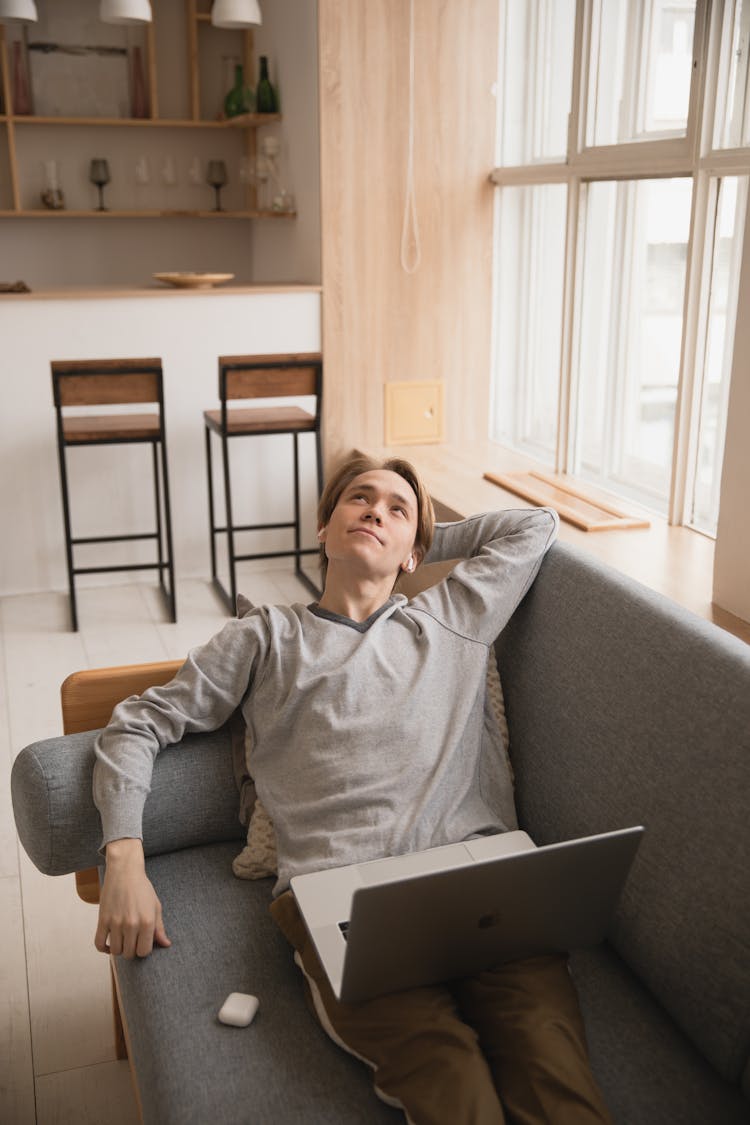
x: 18, y: 11
x: 124, y: 11
x: 236, y: 13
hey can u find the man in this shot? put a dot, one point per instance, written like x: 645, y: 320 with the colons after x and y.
x: 366, y: 715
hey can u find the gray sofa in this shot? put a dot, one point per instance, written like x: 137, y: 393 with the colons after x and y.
x: 622, y: 709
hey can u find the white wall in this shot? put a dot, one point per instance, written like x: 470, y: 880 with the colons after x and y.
x: 64, y: 253
x: 111, y: 487
x: 289, y: 36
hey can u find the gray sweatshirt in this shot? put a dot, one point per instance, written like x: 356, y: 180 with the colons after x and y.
x: 366, y: 736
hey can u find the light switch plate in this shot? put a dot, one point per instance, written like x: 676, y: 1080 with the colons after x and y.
x: 414, y: 413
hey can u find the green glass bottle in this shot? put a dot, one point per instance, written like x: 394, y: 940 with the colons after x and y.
x: 265, y: 96
x: 240, y: 98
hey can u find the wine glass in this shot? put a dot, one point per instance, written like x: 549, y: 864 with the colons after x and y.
x: 245, y: 171
x: 262, y: 175
x: 169, y: 171
x: 99, y: 175
x: 142, y: 177
x: 216, y: 176
x: 142, y: 171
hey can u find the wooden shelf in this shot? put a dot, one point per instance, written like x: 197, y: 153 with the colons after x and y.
x: 245, y: 121
x: 245, y: 127
x: 251, y: 120
x: 41, y: 213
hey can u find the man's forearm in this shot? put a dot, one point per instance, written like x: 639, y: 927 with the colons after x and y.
x: 465, y: 538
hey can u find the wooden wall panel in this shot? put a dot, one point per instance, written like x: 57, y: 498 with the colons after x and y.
x: 380, y: 323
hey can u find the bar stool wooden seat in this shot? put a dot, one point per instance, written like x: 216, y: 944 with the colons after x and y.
x: 110, y: 382
x: 262, y: 377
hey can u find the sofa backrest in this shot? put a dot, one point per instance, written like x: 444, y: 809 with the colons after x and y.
x: 626, y: 709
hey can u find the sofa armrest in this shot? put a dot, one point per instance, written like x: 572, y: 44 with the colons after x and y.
x: 193, y: 799
x: 87, y: 699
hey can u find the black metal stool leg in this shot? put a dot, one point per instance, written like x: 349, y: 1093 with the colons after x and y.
x: 172, y: 597
x: 157, y: 504
x: 232, y: 599
x: 68, y: 534
x: 211, y: 515
x: 299, y: 572
x: 297, y: 542
x: 319, y: 462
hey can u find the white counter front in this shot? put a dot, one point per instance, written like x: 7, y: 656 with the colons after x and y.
x: 111, y: 487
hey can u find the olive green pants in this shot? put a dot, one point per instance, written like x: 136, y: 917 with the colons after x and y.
x: 506, y: 1045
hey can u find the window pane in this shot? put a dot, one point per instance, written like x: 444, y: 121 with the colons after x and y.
x: 717, y: 368
x: 733, y: 101
x: 535, y: 80
x: 528, y: 301
x: 640, y: 70
x: 632, y: 285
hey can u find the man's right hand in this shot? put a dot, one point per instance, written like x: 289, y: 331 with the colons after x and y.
x: 130, y: 918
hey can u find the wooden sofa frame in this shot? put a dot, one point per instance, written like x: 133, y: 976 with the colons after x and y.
x: 87, y: 700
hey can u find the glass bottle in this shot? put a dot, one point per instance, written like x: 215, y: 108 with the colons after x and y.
x: 228, y: 63
x: 240, y: 98
x: 265, y: 96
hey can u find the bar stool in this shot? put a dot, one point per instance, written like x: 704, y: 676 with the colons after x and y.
x: 257, y: 377
x: 113, y: 382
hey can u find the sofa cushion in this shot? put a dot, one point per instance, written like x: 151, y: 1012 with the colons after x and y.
x: 192, y: 1069
x: 649, y: 1072
x: 284, y: 1069
x: 625, y: 709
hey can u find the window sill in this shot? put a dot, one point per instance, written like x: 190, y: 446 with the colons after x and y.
x: 676, y: 561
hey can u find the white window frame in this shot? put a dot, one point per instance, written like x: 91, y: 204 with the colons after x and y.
x: 689, y: 155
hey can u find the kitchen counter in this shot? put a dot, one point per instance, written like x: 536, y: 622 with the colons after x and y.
x: 157, y: 289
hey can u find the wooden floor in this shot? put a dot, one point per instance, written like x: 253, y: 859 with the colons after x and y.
x: 57, y: 1058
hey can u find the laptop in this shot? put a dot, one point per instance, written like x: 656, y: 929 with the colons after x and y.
x: 450, y: 911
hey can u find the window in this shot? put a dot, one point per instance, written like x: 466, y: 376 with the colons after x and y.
x: 529, y: 265
x: 534, y: 101
x: 733, y: 124
x: 640, y: 63
x: 624, y: 156
x: 725, y: 235
x: 633, y: 287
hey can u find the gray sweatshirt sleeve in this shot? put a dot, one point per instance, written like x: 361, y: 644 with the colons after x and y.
x: 204, y: 693
x: 502, y: 553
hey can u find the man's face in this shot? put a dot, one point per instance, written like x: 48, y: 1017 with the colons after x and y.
x: 373, y: 526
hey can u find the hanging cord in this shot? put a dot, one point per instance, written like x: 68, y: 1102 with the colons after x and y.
x: 410, y: 247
